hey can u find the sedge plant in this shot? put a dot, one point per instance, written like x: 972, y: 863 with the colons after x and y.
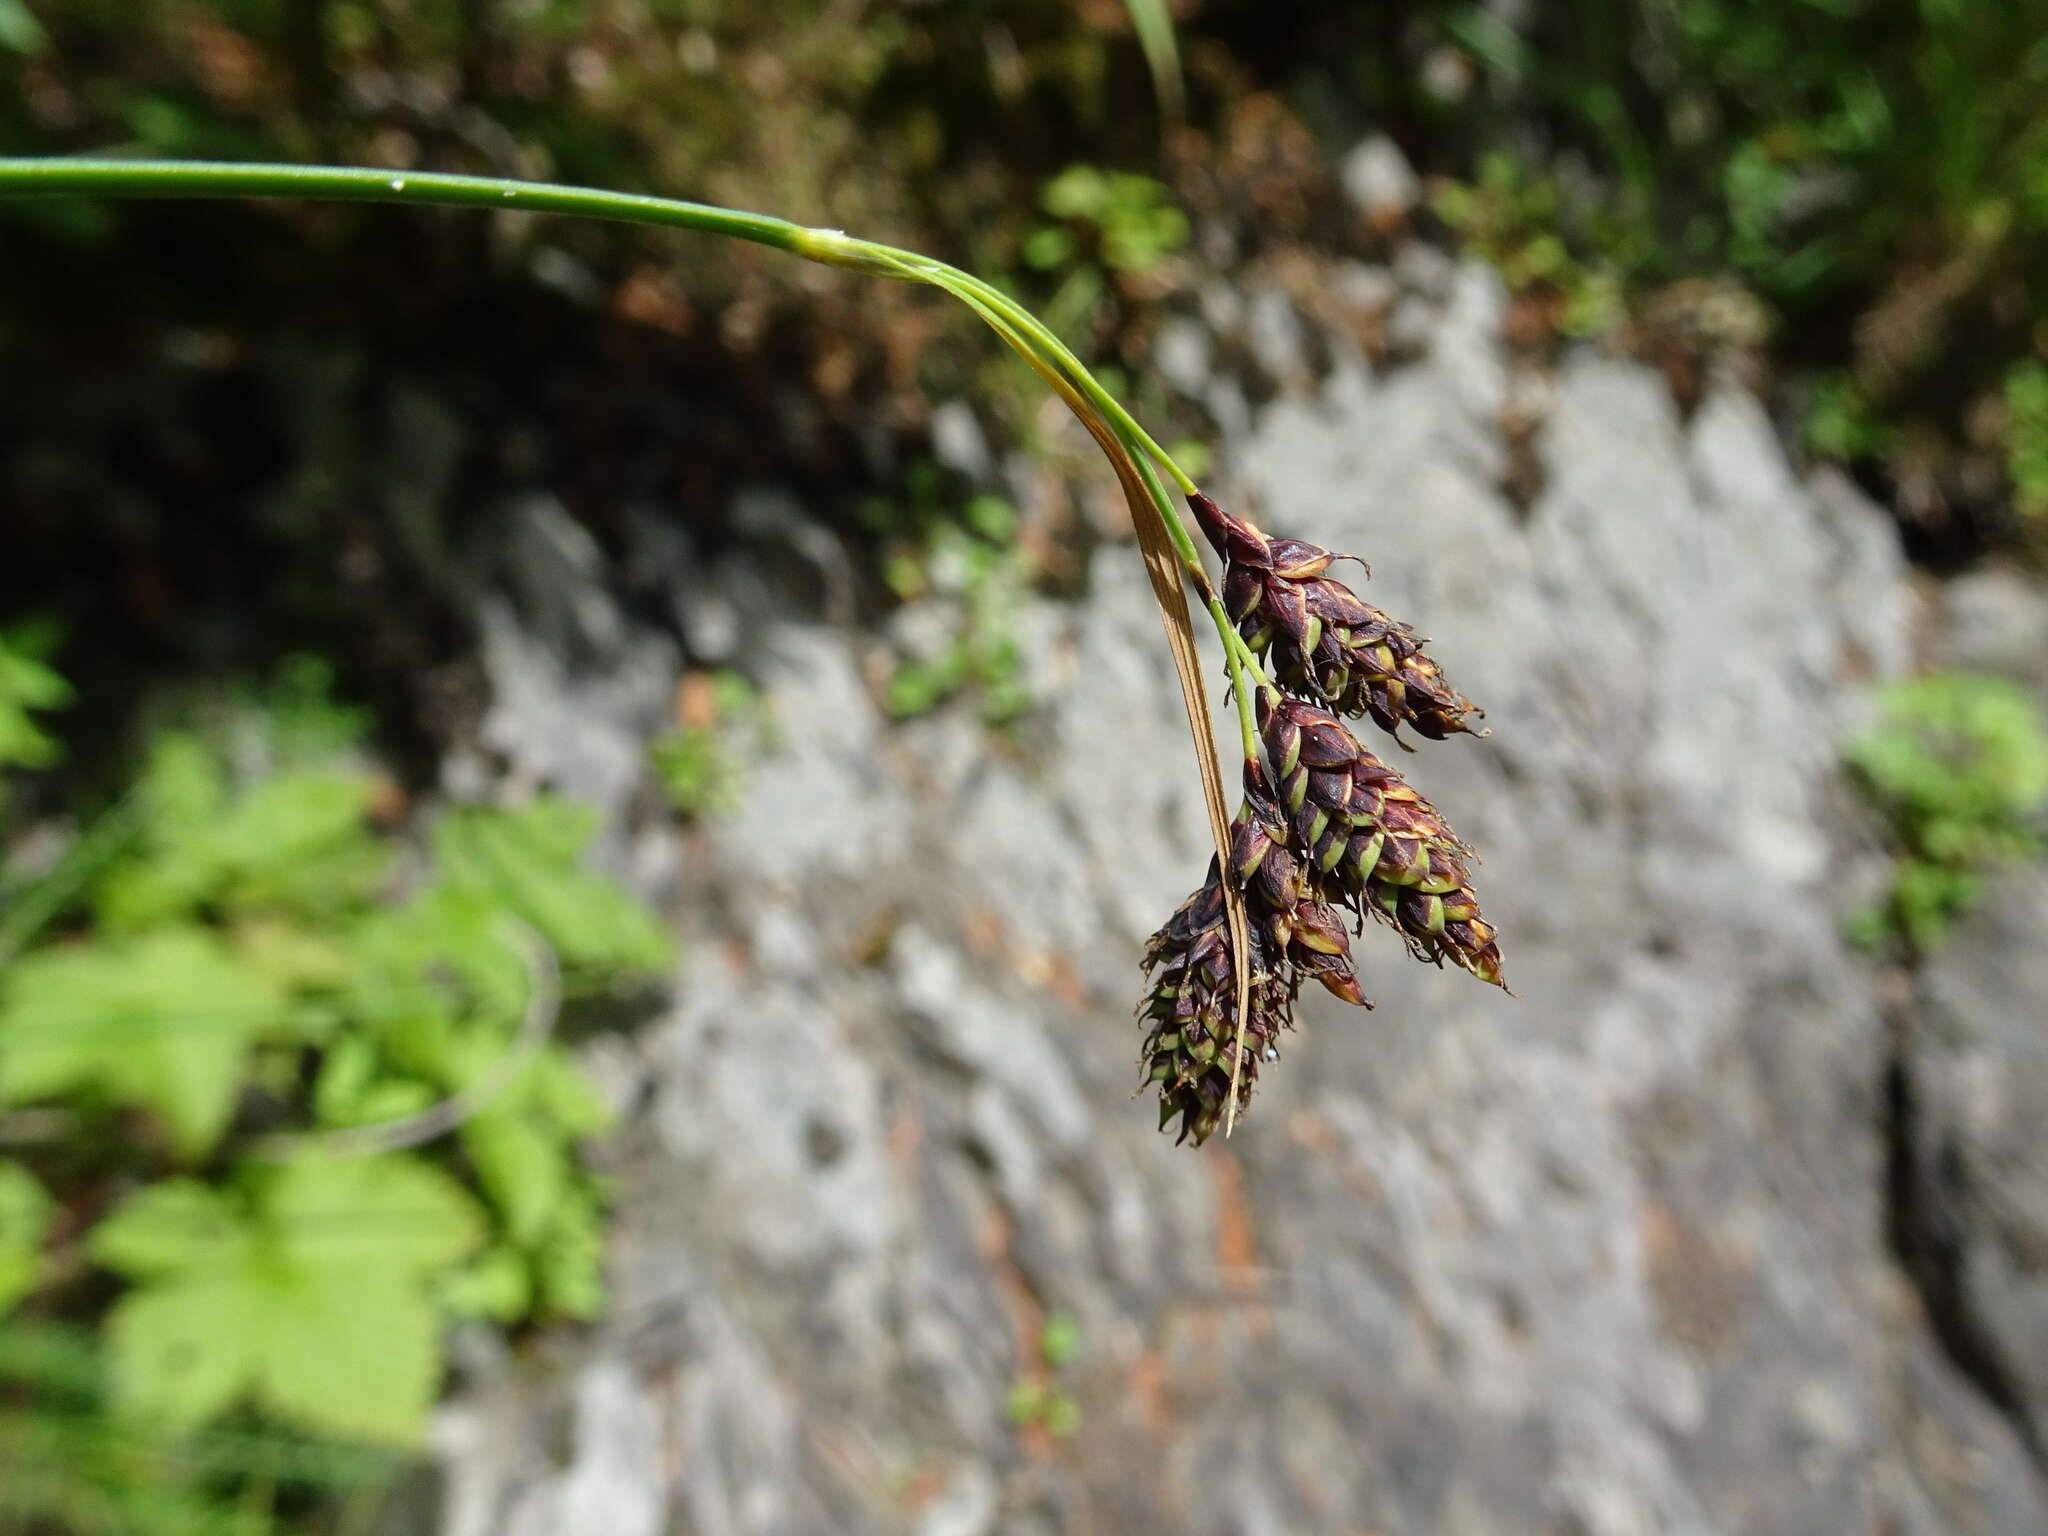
x: 1325, y: 832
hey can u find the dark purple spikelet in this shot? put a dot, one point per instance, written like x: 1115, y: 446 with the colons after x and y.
x: 1373, y: 841
x: 1296, y: 936
x: 1191, y: 1011
x: 1325, y: 642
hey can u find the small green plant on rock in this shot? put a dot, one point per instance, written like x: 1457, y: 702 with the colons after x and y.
x: 702, y: 762
x: 1958, y: 765
x: 1039, y: 1398
x: 968, y: 560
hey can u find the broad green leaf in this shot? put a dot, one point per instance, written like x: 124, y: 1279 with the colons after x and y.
x: 352, y: 1353
x: 162, y: 1022
x: 396, y: 1214
x: 293, y: 956
x: 297, y: 842
x: 168, y: 1228
x: 25, y: 1208
x: 407, y: 958
x: 300, y: 840
x: 523, y: 1171
x: 183, y: 792
x: 527, y: 859
x: 312, y: 1294
x: 182, y: 1352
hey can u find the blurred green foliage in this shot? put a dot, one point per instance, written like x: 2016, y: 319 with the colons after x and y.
x: 27, y: 686
x: 1509, y: 217
x: 1875, y: 171
x: 969, y: 560
x: 1958, y: 765
x: 1099, y: 224
x: 702, y: 763
x: 203, y: 1036
x: 2026, y: 435
x: 1039, y: 1397
x: 69, y: 1463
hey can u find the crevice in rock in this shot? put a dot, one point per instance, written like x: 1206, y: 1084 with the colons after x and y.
x: 1925, y: 1190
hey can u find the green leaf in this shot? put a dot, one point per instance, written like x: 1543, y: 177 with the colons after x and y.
x: 183, y: 1352
x: 25, y: 1208
x: 524, y: 1172
x: 311, y: 1294
x: 296, y: 841
x: 395, y: 1214
x: 299, y: 841
x: 355, y: 1354
x: 19, y: 30
x: 527, y: 861
x: 161, y: 1022
x: 570, y: 1266
x: 25, y: 683
x: 346, y: 1071
x: 563, y: 1091
x: 498, y: 1286
x: 178, y: 1225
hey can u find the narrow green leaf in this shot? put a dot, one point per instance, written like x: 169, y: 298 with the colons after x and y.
x: 524, y: 1172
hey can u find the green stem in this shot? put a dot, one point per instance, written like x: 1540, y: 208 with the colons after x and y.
x: 359, y: 184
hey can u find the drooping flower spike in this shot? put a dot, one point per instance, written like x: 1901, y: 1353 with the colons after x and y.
x: 1326, y: 830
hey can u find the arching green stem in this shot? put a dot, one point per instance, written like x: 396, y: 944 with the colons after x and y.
x: 360, y: 184
x: 225, y: 179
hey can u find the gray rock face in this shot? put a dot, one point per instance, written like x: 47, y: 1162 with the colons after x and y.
x: 1609, y: 1256
x: 1973, y: 1080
